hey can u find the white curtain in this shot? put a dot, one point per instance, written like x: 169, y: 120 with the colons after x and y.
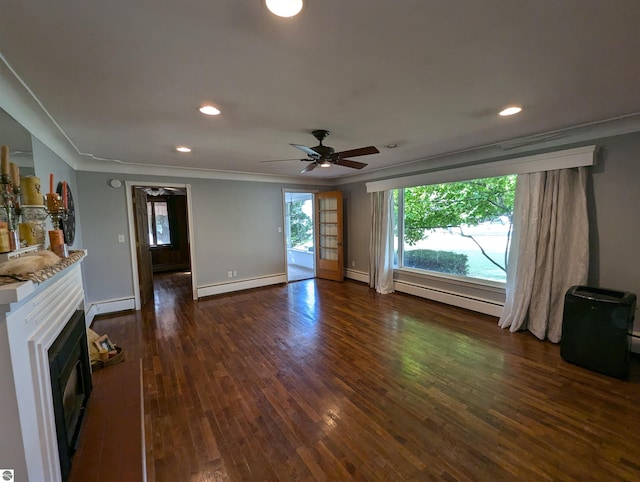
x: 381, y: 243
x: 549, y: 250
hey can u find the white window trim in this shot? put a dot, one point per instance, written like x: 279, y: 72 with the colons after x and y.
x: 580, y: 156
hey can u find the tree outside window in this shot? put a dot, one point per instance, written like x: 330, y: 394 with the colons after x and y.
x: 300, y: 222
x: 461, y: 228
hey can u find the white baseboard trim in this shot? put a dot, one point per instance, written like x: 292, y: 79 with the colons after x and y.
x: 220, y: 288
x: 635, y: 342
x: 111, y: 306
x: 356, y: 275
x: 450, y: 298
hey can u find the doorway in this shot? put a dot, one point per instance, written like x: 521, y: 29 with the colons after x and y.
x: 299, y: 235
x: 160, y: 229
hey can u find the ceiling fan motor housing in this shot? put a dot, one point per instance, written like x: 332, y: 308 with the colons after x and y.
x: 324, y: 151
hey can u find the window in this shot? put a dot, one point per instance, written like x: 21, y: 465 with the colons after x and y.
x: 159, y: 233
x: 456, y: 228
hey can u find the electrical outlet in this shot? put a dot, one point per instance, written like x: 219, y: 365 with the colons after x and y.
x: 235, y: 274
x: 353, y: 264
x: 279, y: 229
x: 229, y: 274
x: 121, y: 238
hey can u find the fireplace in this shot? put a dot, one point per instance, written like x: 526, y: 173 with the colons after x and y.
x: 33, y: 319
x: 70, y: 386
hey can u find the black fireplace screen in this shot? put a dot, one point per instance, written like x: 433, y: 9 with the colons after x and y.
x: 70, y: 385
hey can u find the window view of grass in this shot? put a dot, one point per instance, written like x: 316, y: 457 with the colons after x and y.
x: 460, y: 228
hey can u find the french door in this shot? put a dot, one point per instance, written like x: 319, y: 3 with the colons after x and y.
x: 329, y: 249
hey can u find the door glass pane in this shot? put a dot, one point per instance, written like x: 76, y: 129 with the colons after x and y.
x: 328, y: 216
x: 329, y: 253
x: 330, y: 203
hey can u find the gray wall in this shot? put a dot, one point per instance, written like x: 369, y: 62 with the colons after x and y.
x: 615, y: 251
x: 107, y: 268
x: 357, y: 214
x: 235, y: 229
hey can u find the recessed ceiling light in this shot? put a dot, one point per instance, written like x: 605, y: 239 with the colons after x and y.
x: 209, y: 110
x: 183, y: 149
x: 391, y: 146
x: 284, y: 8
x: 511, y: 110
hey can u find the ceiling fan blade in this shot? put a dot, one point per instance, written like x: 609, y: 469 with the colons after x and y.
x: 280, y: 160
x: 308, y: 150
x: 350, y: 163
x: 310, y: 167
x: 362, y: 151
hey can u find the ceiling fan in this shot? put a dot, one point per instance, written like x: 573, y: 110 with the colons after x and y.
x: 325, y: 156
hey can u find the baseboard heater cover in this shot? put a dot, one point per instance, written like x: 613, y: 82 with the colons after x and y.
x: 109, y: 306
x: 221, y: 288
x: 487, y: 307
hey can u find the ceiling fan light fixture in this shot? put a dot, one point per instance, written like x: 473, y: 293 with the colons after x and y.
x: 209, y: 110
x: 183, y: 149
x: 510, y: 110
x: 284, y: 8
x: 325, y: 163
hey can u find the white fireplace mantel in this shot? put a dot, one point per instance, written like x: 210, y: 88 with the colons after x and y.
x: 32, y: 315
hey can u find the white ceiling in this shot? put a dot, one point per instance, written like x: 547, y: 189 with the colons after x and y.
x: 123, y: 79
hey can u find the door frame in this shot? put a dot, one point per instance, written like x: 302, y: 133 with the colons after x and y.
x: 286, y: 191
x: 129, y: 185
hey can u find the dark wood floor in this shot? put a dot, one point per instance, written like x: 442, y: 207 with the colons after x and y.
x: 320, y: 380
x: 110, y: 443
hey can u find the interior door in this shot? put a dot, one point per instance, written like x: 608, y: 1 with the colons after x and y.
x: 143, y: 249
x: 328, y: 249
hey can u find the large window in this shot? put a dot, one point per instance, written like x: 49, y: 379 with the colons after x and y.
x: 456, y: 228
x: 159, y: 233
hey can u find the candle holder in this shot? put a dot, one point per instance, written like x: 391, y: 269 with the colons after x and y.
x: 56, y: 210
x: 10, y: 194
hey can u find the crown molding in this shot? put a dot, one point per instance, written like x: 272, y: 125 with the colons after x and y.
x: 119, y: 167
x: 508, y: 149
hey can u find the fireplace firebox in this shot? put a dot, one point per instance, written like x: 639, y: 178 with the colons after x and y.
x: 70, y: 385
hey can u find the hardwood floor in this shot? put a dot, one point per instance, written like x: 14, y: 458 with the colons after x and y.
x: 318, y: 380
x: 110, y: 443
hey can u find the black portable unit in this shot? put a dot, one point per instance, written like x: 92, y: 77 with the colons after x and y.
x: 596, y: 328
